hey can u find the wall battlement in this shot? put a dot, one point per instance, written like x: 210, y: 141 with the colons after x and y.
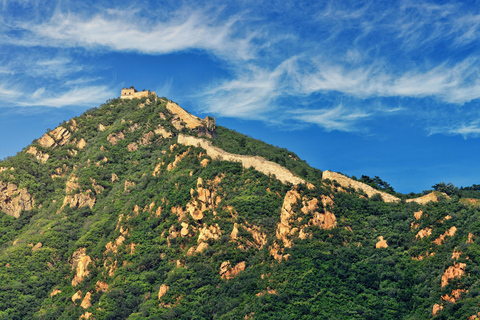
x: 132, y: 93
x: 350, y: 183
x: 259, y: 163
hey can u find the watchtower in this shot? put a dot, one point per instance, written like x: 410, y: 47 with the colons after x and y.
x: 128, y: 93
x: 132, y: 93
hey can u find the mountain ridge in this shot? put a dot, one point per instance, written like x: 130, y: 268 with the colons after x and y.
x: 132, y: 216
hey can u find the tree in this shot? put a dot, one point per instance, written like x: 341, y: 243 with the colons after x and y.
x: 447, y: 188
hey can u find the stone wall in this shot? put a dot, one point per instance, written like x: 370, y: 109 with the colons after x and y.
x: 432, y: 196
x: 205, y: 127
x: 131, y: 93
x: 191, y: 120
x: 350, y: 183
x: 259, y: 163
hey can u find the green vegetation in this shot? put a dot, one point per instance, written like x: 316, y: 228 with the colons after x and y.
x: 150, y: 217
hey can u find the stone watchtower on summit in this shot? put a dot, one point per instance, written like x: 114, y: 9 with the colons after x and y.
x: 132, y: 93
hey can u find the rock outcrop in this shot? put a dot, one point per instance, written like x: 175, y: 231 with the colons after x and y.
x: 449, y: 233
x: 424, y: 233
x: 209, y: 232
x: 452, y: 272
x: 81, y: 144
x: 289, y: 215
x: 58, y: 137
x: 177, y: 160
x: 418, y: 214
x: 77, y: 296
x: 162, y: 132
x: 284, y: 228
x: 46, y: 141
x: 454, y: 296
x: 85, y: 316
x: 132, y: 147
x: 86, y: 301
x: 128, y: 184
x: 113, y: 246
x: 227, y: 272
x: 13, y: 200
x: 436, y: 309
x: 37, y: 246
x: 79, y: 200
x: 80, y: 262
x: 350, y: 183
x: 113, y: 138
x: 42, y: 157
x: 327, y: 219
x: 55, y: 292
x: 163, y: 291
x: 258, y: 163
x: 101, y: 286
x: 296, y: 208
x: 203, y: 199
x: 382, y: 243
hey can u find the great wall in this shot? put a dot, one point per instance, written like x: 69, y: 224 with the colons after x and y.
x: 132, y: 93
x: 350, y: 183
x: 259, y: 163
x: 370, y: 192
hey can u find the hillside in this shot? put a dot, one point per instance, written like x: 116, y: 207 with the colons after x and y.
x: 139, y: 210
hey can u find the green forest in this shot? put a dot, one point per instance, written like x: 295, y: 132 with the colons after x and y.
x: 123, y: 222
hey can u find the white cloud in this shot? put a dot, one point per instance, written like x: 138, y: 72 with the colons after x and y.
x: 165, y: 88
x: 126, y: 30
x: 251, y: 95
x: 78, y: 96
x: 277, y: 68
x: 469, y: 129
x: 338, y: 118
x: 10, y: 92
x: 456, y: 84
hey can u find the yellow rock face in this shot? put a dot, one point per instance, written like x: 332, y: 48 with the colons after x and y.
x: 452, y: 272
x: 86, y: 301
x: 13, y: 200
x: 80, y: 264
x: 381, y: 243
x: 449, y: 233
x: 227, y: 272
x: 163, y: 290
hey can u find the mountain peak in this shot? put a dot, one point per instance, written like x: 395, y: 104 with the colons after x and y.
x: 139, y: 209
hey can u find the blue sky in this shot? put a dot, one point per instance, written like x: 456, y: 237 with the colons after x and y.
x: 382, y: 88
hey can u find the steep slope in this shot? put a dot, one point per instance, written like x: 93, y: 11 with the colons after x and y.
x: 138, y: 209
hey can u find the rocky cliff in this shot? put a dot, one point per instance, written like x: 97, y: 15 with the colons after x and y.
x: 13, y: 199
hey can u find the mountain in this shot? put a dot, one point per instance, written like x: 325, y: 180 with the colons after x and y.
x: 140, y: 210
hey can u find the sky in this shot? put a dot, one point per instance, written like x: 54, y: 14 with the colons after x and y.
x: 377, y: 88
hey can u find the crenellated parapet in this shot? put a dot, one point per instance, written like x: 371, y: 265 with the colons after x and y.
x: 132, y: 93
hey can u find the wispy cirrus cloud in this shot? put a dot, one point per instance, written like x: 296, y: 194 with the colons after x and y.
x: 358, y: 54
x: 367, y: 52
x: 77, y: 96
x: 338, y: 118
x: 127, y: 30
